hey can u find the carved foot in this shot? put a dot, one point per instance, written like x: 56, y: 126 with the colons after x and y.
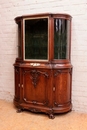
x: 19, y: 110
x: 51, y: 116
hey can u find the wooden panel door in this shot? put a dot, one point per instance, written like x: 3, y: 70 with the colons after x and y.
x: 17, y: 83
x: 36, y: 83
x: 62, y: 87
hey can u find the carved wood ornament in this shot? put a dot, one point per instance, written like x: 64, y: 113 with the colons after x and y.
x: 35, y: 75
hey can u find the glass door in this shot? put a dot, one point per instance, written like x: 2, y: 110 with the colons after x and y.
x: 36, y: 39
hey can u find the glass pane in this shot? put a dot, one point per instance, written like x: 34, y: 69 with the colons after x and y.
x: 61, y: 38
x: 19, y: 40
x: 36, y: 39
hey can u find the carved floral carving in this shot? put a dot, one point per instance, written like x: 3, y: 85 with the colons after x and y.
x: 35, y: 75
x: 57, y: 72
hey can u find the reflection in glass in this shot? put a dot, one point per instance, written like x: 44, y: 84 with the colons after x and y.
x: 61, y: 38
x: 36, y: 39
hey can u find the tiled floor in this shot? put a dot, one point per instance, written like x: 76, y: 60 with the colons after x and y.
x: 10, y: 120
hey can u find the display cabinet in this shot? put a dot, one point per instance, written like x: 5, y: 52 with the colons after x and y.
x: 43, y: 70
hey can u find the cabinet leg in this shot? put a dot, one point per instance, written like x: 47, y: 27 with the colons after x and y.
x: 19, y: 110
x: 51, y: 116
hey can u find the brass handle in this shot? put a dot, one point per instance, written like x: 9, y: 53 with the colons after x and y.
x: 22, y: 85
x: 53, y: 88
x: 18, y: 85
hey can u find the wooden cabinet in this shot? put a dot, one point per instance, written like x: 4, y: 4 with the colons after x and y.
x: 62, y: 87
x: 43, y: 71
x: 36, y: 83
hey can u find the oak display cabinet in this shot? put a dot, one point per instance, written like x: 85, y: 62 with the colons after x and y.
x: 43, y: 71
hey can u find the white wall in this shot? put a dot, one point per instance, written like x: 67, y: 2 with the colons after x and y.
x: 8, y: 43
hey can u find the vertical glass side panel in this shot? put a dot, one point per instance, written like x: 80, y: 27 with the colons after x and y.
x: 19, y: 40
x: 36, y: 39
x: 61, y: 38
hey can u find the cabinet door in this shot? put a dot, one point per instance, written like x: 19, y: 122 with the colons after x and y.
x: 62, y: 87
x: 36, y: 83
x: 17, y: 83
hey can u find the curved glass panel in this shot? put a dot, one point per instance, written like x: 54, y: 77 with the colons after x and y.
x: 61, y: 38
x: 19, y: 40
x: 36, y: 39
